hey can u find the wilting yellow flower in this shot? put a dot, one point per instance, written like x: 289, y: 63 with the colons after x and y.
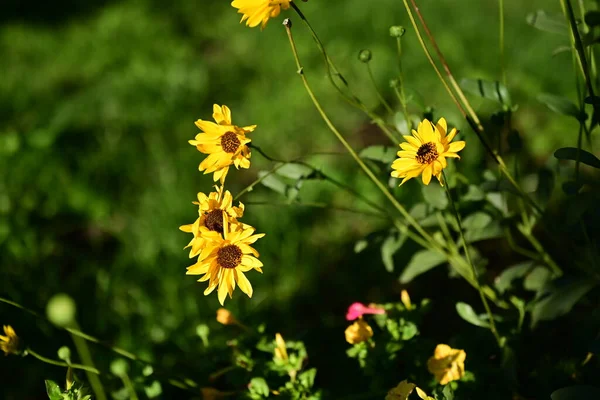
x: 214, y: 210
x: 280, y: 350
x: 225, y: 144
x: 224, y: 262
x: 9, y: 343
x: 358, y: 332
x: 421, y: 393
x: 425, y: 152
x: 401, y: 392
x: 225, y: 317
x: 447, y: 364
x: 259, y: 11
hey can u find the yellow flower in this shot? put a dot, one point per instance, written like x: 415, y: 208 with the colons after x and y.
x: 280, y: 350
x: 9, y: 343
x: 447, y: 364
x: 225, y: 317
x: 358, y: 332
x: 425, y: 152
x: 421, y: 393
x: 225, y: 144
x: 401, y: 392
x: 259, y: 11
x: 224, y: 262
x: 214, y: 211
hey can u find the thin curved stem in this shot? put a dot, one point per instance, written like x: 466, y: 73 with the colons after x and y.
x: 402, y: 94
x: 62, y: 364
x: 379, y: 95
x: 470, y: 261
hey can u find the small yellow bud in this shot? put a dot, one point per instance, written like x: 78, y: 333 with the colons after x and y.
x: 405, y: 298
x: 280, y: 350
x: 225, y: 317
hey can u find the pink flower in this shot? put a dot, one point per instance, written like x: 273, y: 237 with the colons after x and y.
x: 357, y: 310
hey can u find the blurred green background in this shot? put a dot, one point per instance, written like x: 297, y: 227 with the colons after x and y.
x: 97, y: 102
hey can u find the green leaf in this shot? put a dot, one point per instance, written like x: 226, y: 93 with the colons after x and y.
x: 382, y: 154
x: 570, y: 153
x: 271, y: 181
x: 548, y: 23
x: 537, y: 278
x: 467, y: 313
x: 53, y: 390
x: 307, y: 378
x: 153, y: 390
x: 504, y: 281
x: 421, y: 262
x: 561, y: 299
x: 295, y: 171
x: 474, y: 193
x: 488, y: 90
x: 360, y: 245
x: 582, y: 392
x: 481, y: 226
x: 561, y: 105
x: 259, y: 386
x: 119, y: 367
x: 389, y: 247
x: 435, y: 196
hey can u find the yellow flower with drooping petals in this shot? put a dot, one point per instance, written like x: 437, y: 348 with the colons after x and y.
x: 447, y: 364
x: 401, y: 392
x: 358, y: 332
x: 225, y: 144
x: 280, y: 348
x: 9, y: 344
x: 259, y: 11
x: 214, y: 211
x: 425, y: 152
x: 225, y: 260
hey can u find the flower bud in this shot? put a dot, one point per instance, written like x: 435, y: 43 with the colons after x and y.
x: 397, y: 31
x: 365, y: 55
x: 225, y: 317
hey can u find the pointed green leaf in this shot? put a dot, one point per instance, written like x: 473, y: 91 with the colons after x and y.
x: 481, y: 226
x: 488, y: 90
x: 421, y: 262
x: 53, y: 390
x: 384, y: 154
x: 561, y: 298
x: 570, y: 153
x: 548, y: 23
x: 294, y: 171
x: 561, y: 105
x: 435, y: 195
x: 273, y: 182
x: 389, y: 247
x: 259, y: 386
x: 504, y: 281
x: 467, y: 313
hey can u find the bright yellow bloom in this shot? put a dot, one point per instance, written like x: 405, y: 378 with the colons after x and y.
x: 401, y: 392
x: 225, y: 317
x: 214, y: 211
x: 9, y: 344
x: 224, y: 262
x: 259, y: 11
x: 421, y: 393
x: 358, y: 332
x: 225, y: 144
x: 447, y: 364
x: 280, y: 350
x: 425, y: 152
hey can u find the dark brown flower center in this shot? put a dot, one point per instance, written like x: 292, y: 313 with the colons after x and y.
x: 214, y: 220
x: 230, y: 142
x: 427, y: 153
x: 229, y: 256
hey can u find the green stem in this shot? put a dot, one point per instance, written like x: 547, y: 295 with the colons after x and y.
x: 568, y: 8
x: 526, y: 231
x: 402, y: 94
x: 62, y: 364
x: 379, y: 95
x: 86, y: 357
x: 129, y: 386
x: 501, y: 44
x: 473, y: 269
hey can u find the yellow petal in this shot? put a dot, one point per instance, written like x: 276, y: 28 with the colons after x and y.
x: 244, y: 283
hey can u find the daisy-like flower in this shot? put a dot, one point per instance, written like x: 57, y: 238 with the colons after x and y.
x: 259, y: 11
x: 358, y: 332
x: 425, y: 152
x: 225, y: 144
x: 9, y: 344
x: 225, y: 260
x: 447, y: 364
x: 214, y: 211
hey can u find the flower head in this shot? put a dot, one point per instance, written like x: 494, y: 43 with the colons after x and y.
x: 225, y: 144
x: 425, y: 152
x: 214, y: 210
x: 401, y: 392
x: 447, y: 364
x: 358, y: 332
x: 225, y: 317
x: 280, y: 348
x: 357, y: 310
x: 225, y: 260
x: 259, y: 11
x: 9, y: 344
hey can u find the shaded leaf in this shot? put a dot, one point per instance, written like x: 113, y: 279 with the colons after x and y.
x: 421, y: 262
x: 481, y: 226
x: 548, y: 23
x: 537, y: 278
x: 504, y: 281
x: 560, y: 299
x: 576, y: 393
x: 571, y: 187
x: 384, y: 154
x: 486, y: 89
x: 570, y: 153
x: 389, y: 247
x: 435, y: 196
x: 467, y: 313
x: 592, y: 18
x: 294, y: 171
x: 272, y: 182
x: 474, y: 193
x: 561, y: 105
